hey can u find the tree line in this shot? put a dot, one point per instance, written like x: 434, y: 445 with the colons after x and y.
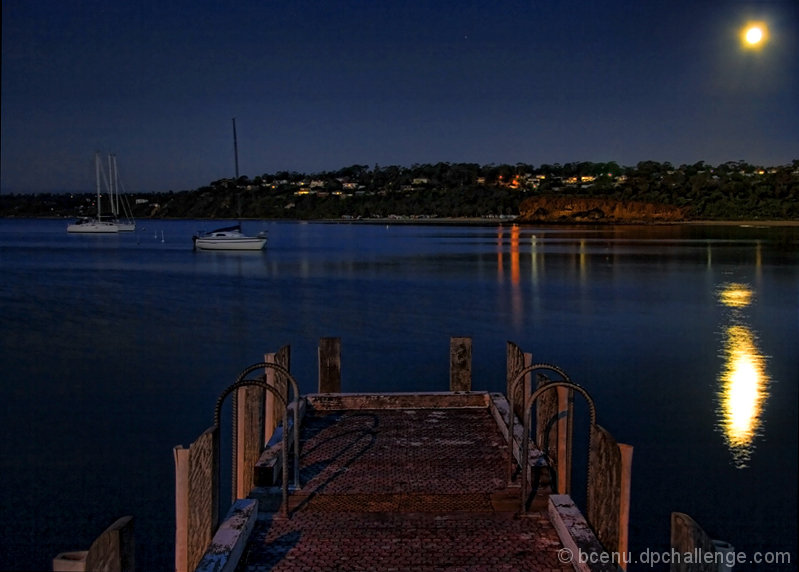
x: 735, y: 190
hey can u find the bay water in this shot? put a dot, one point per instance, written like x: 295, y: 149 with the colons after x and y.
x: 114, y: 349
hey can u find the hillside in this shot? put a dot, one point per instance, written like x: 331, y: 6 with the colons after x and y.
x: 576, y: 192
x: 608, y: 210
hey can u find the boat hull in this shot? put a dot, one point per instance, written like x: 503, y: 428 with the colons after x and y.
x: 126, y: 226
x: 244, y: 243
x: 93, y: 227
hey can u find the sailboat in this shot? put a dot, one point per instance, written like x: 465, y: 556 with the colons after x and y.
x: 230, y: 237
x: 107, y: 223
x: 120, y: 209
x: 96, y: 224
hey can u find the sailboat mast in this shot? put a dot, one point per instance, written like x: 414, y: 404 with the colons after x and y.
x: 110, y: 184
x: 236, y: 148
x: 97, y: 174
x: 114, y: 177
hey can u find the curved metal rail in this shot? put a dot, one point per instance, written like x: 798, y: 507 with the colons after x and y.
x: 240, y: 382
x: 529, y: 400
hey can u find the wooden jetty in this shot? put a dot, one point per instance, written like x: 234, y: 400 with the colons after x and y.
x: 421, y: 481
x: 459, y: 480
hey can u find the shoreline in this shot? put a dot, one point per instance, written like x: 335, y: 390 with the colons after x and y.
x: 489, y: 221
x: 475, y: 221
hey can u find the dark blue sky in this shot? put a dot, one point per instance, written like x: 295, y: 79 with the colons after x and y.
x: 319, y: 85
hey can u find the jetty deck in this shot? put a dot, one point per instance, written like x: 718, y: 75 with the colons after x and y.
x: 396, y: 481
x: 401, y: 488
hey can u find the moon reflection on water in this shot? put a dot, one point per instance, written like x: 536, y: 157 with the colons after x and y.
x: 743, y: 381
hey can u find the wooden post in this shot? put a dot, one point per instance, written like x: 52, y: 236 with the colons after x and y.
x: 273, y: 408
x: 564, y: 437
x: 240, y: 403
x: 624, y: 499
x: 181, y: 508
x: 515, y: 361
x: 460, y: 364
x: 249, y: 436
x: 196, y: 498
x: 603, y: 501
x: 687, y: 537
x: 527, y: 382
x: 330, y: 365
x: 272, y: 417
x: 114, y: 548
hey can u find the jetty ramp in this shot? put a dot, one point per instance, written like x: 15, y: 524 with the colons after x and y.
x: 419, y: 483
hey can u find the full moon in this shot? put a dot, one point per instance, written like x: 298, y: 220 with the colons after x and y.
x: 754, y: 35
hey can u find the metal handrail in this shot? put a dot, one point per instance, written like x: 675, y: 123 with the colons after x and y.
x: 529, y: 400
x: 240, y: 382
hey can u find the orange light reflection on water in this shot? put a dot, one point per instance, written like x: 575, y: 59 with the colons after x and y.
x: 515, y: 263
x: 500, y: 253
x: 515, y: 272
x: 516, y: 304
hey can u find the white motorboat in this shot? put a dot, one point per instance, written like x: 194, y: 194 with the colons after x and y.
x: 229, y: 238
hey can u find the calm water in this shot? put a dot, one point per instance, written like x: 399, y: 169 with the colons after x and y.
x: 114, y: 349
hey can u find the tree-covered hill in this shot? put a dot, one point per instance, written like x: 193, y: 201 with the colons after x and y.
x: 731, y: 191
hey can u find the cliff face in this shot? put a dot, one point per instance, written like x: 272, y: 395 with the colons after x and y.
x: 582, y: 209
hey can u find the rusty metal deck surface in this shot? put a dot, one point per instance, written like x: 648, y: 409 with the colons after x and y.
x: 409, y: 489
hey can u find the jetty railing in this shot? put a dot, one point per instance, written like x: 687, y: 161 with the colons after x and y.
x: 609, y: 462
x: 197, y: 467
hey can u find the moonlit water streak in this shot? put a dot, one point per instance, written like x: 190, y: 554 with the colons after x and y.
x: 743, y: 381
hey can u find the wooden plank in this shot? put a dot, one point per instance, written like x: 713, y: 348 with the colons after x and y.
x: 460, y: 364
x: 330, y: 365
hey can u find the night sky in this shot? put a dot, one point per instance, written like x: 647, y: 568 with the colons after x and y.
x: 320, y: 85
